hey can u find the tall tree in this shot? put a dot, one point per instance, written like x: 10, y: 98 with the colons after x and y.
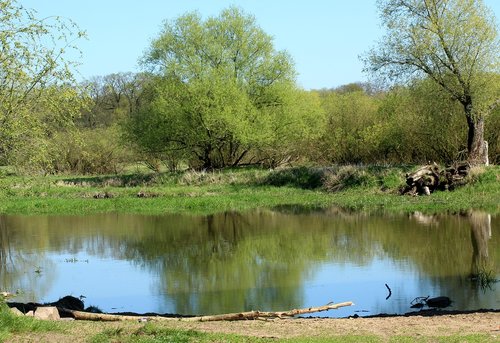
x: 34, y: 79
x: 221, y: 89
x: 454, y: 43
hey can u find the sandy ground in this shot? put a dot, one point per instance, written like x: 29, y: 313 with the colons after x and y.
x: 385, y: 327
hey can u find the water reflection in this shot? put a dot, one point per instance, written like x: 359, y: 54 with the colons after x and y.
x: 480, y: 234
x: 266, y: 260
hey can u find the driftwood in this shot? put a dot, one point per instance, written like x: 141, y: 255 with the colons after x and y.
x: 431, y: 177
x: 220, y: 317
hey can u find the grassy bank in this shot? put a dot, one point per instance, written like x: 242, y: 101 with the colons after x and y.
x: 26, y: 329
x: 370, y: 188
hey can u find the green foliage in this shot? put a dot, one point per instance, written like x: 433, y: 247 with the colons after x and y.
x: 417, y: 123
x: 301, y: 177
x: 421, y: 124
x: 492, y: 135
x: 35, y: 88
x: 86, y: 151
x: 452, y: 42
x: 222, y: 95
x: 353, y: 130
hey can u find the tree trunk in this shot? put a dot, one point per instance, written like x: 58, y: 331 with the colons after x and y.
x: 477, y: 147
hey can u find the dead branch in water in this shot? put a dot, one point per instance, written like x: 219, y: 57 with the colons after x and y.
x: 80, y: 315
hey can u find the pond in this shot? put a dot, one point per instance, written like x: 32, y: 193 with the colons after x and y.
x: 268, y: 260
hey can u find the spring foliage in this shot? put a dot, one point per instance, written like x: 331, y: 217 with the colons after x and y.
x: 222, y: 94
x: 36, y: 96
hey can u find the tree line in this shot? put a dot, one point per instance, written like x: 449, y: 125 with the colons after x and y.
x: 215, y: 93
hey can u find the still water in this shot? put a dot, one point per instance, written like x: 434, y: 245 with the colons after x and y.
x: 262, y: 260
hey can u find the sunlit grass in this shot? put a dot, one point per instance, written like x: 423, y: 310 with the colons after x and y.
x: 355, y: 188
x: 11, y: 324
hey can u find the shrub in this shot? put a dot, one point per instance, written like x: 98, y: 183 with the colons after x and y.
x: 335, y: 180
x: 96, y: 151
x: 302, y: 177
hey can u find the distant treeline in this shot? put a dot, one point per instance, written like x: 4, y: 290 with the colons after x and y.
x: 215, y: 93
x: 355, y: 123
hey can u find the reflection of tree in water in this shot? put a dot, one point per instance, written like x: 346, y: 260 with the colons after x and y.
x: 229, y: 262
x: 462, y: 250
x: 24, y: 271
x: 480, y: 234
x: 233, y: 261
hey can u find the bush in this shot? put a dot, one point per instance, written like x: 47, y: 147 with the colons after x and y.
x: 96, y: 151
x: 335, y: 180
x: 302, y: 177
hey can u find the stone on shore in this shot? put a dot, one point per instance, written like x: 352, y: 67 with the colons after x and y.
x: 16, y: 311
x: 47, y: 313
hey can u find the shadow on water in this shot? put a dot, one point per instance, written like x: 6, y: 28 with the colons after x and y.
x: 268, y: 260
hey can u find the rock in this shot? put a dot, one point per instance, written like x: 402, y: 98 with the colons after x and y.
x: 7, y: 295
x: 47, y: 313
x: 30, y: 314
x: 16, y: 311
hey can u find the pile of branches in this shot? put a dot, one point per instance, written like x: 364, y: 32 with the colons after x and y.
x: 431, y: 177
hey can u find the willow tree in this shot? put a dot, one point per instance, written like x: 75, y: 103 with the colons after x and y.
x: 222, y: 93
x: 454, y: 43
x: 36, y: 95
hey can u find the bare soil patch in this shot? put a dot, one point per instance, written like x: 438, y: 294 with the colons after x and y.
x: 384, y: 327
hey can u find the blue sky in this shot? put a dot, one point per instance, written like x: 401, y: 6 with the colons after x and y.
x: 324, y: 37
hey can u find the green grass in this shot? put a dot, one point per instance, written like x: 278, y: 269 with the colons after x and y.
x: 11, y: 324
x: 355, y: 188
x: 151, y: 333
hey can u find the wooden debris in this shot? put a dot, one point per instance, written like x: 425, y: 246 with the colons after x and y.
x: 103, y: 195
x: 144, y: 194
x: 431, y: 177
x: 251, y: 315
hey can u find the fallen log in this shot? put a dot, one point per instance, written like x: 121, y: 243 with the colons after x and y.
x: 250, y: 315
x: 259, y: 314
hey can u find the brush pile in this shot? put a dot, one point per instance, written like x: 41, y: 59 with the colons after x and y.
x: 431, y: 177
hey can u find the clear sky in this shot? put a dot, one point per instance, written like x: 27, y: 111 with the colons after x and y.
x: 324, y: 37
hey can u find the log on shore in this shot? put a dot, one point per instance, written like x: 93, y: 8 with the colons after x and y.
x: 251, y: 315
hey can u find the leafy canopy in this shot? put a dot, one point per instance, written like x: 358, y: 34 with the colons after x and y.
x: 453, y: 42
x: 222, y: 92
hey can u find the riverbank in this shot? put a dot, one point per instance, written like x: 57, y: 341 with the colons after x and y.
x: 370, y: 188
x: 470, y: 327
